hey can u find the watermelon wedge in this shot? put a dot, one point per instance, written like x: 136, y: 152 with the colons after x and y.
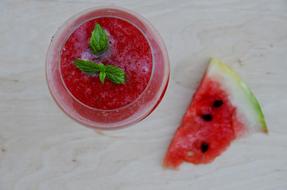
x: 222, y: 109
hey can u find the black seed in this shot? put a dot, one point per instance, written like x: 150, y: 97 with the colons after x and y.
x: 217, y: 103
x: 206, y: 117
x: 204, y: 147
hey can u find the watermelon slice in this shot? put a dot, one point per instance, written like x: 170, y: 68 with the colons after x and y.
x: 223, y: 108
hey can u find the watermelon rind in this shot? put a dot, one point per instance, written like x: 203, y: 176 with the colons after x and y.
x: 249, y: 109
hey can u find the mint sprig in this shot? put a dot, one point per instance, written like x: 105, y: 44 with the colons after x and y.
x: 112, y: 72
x: 99, y: 40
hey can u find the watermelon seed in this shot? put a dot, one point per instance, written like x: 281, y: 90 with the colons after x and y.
x: 217, y: 103
x: 204, y: 147
x: 206, y: 117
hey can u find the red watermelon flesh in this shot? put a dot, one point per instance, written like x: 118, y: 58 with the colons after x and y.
x: 223, y: 108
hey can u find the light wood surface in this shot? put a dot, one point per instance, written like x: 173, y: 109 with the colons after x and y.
x: 42, y: 149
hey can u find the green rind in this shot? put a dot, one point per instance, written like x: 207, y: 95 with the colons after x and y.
x: 248, y: 93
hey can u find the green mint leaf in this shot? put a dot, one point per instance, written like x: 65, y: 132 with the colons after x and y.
x: 102, y: 67
x: 99, y: 40
x: 115, y: 74
x: 112, y: 72
x: 102, y: 77
x: 87, y: 66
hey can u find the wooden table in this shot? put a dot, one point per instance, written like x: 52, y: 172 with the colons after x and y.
x: 42, y: 149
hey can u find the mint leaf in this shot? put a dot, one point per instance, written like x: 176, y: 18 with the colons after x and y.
x: 112, y: 72
x: 87, y: 66
x: 102, y: 67
x: 98, y: 40
x: 115, y: 74
x: 102, y: 77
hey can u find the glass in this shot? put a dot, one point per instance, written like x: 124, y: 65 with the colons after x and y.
x: 129, y: 114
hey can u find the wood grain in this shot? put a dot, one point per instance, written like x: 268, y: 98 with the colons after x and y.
x: 42, y: 149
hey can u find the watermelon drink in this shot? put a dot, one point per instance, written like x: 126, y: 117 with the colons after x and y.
x: 130, y: 75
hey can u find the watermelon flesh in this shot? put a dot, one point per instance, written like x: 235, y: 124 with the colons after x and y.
x: 222, y: 109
